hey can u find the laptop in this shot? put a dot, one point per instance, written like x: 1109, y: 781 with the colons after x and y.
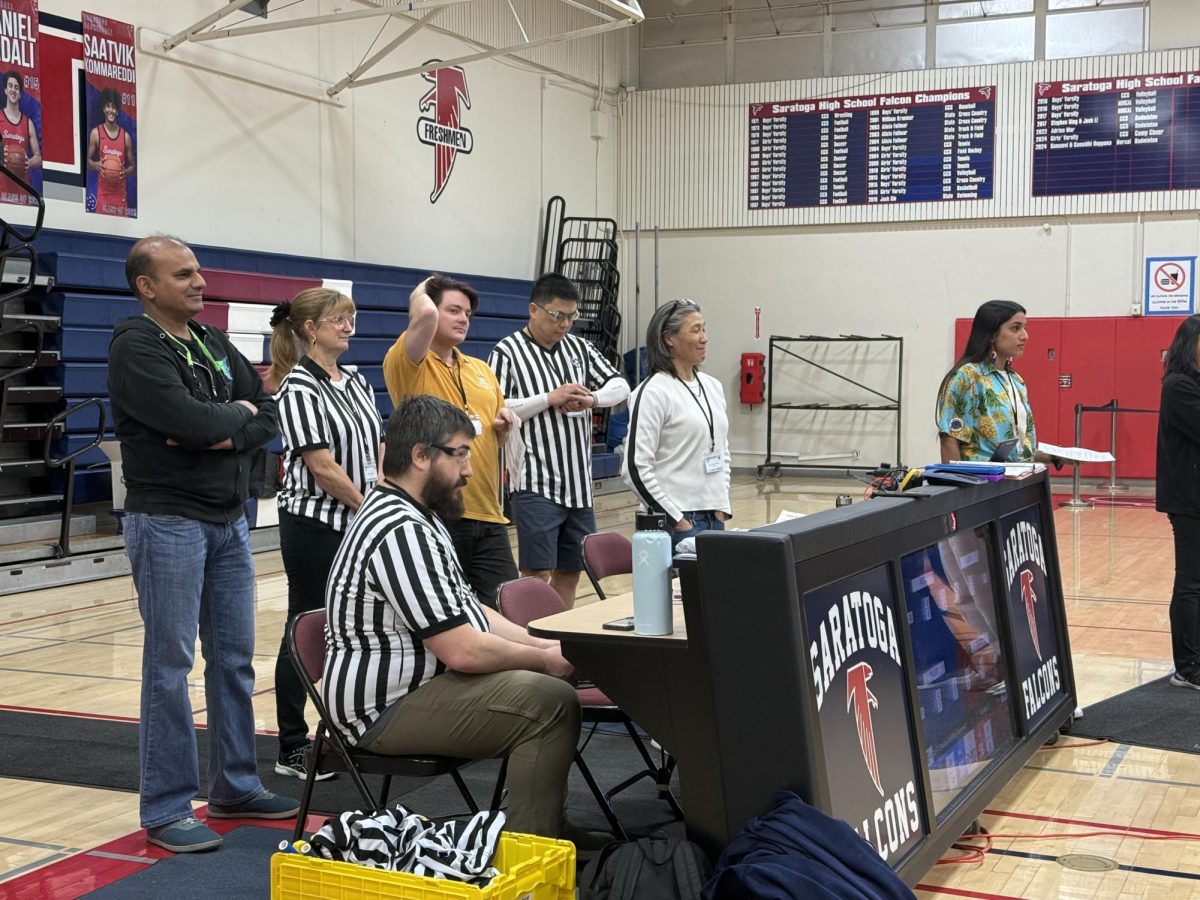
x: 1004, y: 450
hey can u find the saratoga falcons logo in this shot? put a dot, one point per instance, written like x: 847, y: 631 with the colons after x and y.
x: 1030, y: 598
x: 860, y: 698
x: 444, y: 132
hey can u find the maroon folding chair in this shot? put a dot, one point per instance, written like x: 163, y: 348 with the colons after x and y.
x: 606, y: 553
x: 331, y: 752
x: 526, y: 599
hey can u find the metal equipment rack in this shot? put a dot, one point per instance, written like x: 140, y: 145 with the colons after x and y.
x: 890, y: 403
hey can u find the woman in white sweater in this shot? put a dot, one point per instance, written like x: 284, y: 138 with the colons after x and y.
x: 677, y: 453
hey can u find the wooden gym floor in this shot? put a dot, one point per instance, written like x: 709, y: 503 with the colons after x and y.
x: 76, y: 651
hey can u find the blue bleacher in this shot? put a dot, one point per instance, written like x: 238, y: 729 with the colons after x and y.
x: 90, y: 295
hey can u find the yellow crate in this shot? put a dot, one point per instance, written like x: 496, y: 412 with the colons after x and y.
x: 531, y: 868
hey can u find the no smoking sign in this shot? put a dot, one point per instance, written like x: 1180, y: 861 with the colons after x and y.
x: 1169, y: 285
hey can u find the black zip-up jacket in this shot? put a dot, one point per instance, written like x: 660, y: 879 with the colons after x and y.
x: 156, y: 394
x: 1177, y: 480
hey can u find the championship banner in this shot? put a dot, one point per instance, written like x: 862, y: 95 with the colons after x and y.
x: 858, y: 679
x: 21, y: 125
x: 1035, y: 635
x: 110, y: 78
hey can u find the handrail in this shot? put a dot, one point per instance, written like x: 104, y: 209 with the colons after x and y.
x: 37, y: 352
x: 14, y: 231
x: 1112, y: 407
x: 63, y: 547
x: 556, y: 212
x: 7, y: 253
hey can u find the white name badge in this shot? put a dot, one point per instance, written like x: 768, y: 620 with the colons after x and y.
x: 476, y: 423
x: 369, y: 472
x: 713, y: 463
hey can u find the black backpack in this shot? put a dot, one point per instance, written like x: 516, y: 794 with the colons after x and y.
x: 657, y: 868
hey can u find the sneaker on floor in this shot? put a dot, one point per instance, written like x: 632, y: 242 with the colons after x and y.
x: 295, y: 763
x: 264, y: 805
x: 184, y: 836
x: 1178, y: 680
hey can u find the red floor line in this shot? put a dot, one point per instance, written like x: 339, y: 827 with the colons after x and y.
x: 65, y: 612
x: 1131, y: 829
x: 67, y: 712
x: 960, y: 892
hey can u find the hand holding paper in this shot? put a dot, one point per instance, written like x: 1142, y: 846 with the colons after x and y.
x: 1076, y: 454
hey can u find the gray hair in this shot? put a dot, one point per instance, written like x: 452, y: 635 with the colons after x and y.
x: 666, y: 322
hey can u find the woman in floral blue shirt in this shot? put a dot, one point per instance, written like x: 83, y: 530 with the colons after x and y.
x: 982, y: 401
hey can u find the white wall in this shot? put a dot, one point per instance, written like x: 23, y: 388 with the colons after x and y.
x: 912, y: 281
x: 225, y: 161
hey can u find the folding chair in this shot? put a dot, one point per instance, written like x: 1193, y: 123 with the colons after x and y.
x: 526, y: 599
x: 606, y: 553
x: 330, y: 750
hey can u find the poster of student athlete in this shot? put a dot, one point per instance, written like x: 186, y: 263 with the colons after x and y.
x: 110, y: 78
x: 858, y: 680
x: 21, y: 125
x: 1035, y: 636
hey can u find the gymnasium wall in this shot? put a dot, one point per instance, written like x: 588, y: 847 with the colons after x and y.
x: 226, y: 159
x: 862, y: 270
x: 909, y: 280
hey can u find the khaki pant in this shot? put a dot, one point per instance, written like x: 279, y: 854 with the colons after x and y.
x: 532, y: 719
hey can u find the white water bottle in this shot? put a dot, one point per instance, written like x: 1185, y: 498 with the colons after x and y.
x: 651, y: 578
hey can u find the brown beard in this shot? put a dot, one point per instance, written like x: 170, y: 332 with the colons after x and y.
x: 444, y: 497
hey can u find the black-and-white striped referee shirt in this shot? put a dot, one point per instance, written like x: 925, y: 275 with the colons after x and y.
x: 317, y: 413
x: 394, y: 582
x: 558, y: 447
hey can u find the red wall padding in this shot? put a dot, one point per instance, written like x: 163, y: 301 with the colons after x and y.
x: 1092, y: 360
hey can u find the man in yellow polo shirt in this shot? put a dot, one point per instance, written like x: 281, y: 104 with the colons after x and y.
x: 425, y: 360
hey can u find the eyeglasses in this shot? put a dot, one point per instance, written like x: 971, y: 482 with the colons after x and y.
x: 556, y: 316
x: 462, y: 454
x: 341, y: 320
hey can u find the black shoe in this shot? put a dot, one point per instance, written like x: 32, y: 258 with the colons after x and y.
x: 295, y: 763
x: 1186, y: 681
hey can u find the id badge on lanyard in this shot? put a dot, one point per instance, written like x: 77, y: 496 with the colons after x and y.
x: 476, y: 424
x: 713, y: 464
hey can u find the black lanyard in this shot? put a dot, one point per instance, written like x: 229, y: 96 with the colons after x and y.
x: 708, y: 416
x: 456, y: 374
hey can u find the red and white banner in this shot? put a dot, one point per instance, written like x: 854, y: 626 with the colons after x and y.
x: 21, y: 124
x: 110, y: 79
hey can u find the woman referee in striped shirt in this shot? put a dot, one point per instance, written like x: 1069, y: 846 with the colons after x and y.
x: 331, y: 437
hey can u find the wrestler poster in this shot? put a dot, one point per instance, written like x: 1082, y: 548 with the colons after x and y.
x: 21, y: 125
x: 110, y: 95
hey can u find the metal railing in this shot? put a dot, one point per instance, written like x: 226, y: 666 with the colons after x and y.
x: 63, y: 547
x: 1113, y: 408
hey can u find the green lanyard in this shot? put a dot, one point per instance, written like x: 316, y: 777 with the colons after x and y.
x: 219, y: 368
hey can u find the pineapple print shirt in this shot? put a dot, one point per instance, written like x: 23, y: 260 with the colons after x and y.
x: 977, y: 411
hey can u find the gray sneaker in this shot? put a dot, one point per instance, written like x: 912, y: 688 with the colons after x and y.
x: 184, y: 836
x: 263, y: 805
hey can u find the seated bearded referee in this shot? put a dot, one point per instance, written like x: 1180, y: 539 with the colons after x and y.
x: 415, y: 664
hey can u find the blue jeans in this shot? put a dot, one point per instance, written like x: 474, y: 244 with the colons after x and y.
x: 702, y: 520
x: 194, y: 575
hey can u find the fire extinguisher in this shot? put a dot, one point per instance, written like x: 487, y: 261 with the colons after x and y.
x: 753, y: 380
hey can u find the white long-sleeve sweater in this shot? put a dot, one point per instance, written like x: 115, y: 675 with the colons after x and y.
x: 669, y: 440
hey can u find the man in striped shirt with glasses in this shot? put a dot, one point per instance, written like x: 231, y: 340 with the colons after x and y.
x: 415, y: 664
x: 553, y: 380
